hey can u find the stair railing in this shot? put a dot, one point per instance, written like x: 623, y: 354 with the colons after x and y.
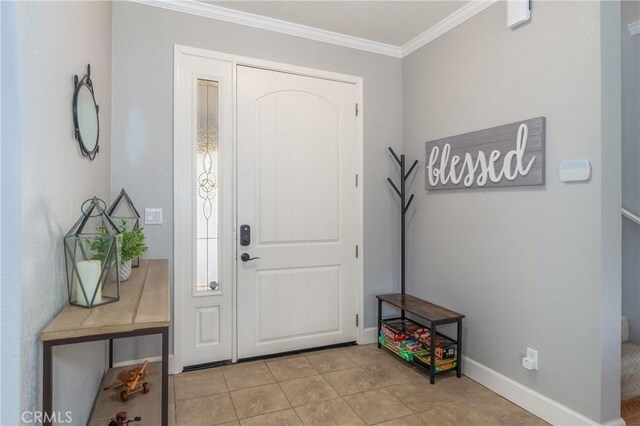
x: 631, y: 216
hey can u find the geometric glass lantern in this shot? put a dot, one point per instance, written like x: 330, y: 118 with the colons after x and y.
x: 123, y: 212
x: 92, y: 253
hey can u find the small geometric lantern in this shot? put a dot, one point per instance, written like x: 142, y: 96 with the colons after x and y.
x: 122, y: 211
x: 92, y: 252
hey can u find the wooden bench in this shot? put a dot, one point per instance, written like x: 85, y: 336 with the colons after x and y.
x: 433, y: 314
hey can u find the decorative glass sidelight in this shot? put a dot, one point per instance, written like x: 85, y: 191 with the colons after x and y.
x: 207, y: 187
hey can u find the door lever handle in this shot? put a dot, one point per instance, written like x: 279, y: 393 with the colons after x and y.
x: 245, y: 257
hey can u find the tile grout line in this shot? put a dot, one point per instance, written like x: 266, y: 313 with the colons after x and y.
x: 235, y: 411
x: 354, y: 410
x: 291, y: 407
x: 339, y: 369
x: 285, y: 395
x: 329, y: 383
x: 175, y: 405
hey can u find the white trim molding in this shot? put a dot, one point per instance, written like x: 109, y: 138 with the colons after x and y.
x: 262, y: 22
x: 456, y: 18
x: 542, y: 406
x: 290, y: 28
x: 130, y: 362
x: 370, y: 335
x: 634, y: 28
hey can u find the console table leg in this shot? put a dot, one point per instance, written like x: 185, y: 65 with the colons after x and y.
x: 47, y: 382
x: 110, y: 353
x: 165, y: 376
x: 432, y: 355
x: 379, y: 322
x: 459, y: 348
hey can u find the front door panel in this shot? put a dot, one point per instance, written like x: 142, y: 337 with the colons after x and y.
x: 296, y: 191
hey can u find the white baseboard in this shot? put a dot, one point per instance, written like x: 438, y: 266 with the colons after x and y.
x: 370, y: 336
x: 532, y: 401
x: 616, y: 422
x: 129, y: 362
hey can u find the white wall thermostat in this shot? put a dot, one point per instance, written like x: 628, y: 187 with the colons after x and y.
x: 518, y: 12
x: 575, y: 170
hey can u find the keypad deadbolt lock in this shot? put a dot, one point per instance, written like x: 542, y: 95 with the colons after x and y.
x: 245, y: 235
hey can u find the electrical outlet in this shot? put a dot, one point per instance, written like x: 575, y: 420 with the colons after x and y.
x: 530, y: 362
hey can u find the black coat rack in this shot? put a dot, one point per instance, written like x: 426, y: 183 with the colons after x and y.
x: 403, y: 207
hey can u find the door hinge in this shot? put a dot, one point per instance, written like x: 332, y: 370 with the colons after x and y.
x: 356, y: 251
x: 356, y: 180
x: 357, y: 320
x: 356, y: 109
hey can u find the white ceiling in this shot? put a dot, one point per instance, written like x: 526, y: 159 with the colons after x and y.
x: 390, y: 22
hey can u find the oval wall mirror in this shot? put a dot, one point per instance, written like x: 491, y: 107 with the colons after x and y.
x: 85, y: 116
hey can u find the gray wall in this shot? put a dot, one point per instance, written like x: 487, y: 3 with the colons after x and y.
x: 631, y: 167
x: 10, y: 291
x: 46, y: 44
x: 143, y: 41
x: 528, y: 266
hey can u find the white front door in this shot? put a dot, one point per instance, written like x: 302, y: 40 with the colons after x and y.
x: 204, y: 239
x: 296, y: 183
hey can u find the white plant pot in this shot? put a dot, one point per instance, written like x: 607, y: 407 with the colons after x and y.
x: 125, y: 270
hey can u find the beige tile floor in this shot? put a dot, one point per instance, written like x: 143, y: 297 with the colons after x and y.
x: 349, y: 386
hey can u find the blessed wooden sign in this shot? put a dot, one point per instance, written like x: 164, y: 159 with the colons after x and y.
x: 509, y: 155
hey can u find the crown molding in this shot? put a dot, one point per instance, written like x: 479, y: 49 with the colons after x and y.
x: 634, y: 28
x: 271, y: 24
x: 456, y: 18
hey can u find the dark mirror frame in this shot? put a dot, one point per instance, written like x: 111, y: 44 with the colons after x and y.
x: 78, y: 83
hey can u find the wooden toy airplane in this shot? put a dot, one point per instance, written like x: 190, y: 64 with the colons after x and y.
x: 132, y: 380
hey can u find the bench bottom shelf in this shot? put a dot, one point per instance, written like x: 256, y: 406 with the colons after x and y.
x: 408, y: 356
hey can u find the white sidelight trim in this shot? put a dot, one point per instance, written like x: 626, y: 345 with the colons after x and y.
x: 284, y: 27
x: 544, y: 407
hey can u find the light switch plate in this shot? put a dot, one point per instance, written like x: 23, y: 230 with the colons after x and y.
x: 153, y: 216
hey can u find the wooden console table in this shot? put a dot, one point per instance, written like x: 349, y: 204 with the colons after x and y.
x: 435, y: 315
x: 143, y: 309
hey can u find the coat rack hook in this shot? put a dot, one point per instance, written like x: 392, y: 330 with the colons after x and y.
x: 394, y: 187
x: 408, y: 204
x: 413, y: 166
x: 395, y: 156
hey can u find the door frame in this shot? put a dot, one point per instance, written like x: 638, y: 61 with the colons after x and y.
x: 180, y: 52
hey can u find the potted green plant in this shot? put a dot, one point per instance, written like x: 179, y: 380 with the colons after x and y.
x: 131, y: 245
